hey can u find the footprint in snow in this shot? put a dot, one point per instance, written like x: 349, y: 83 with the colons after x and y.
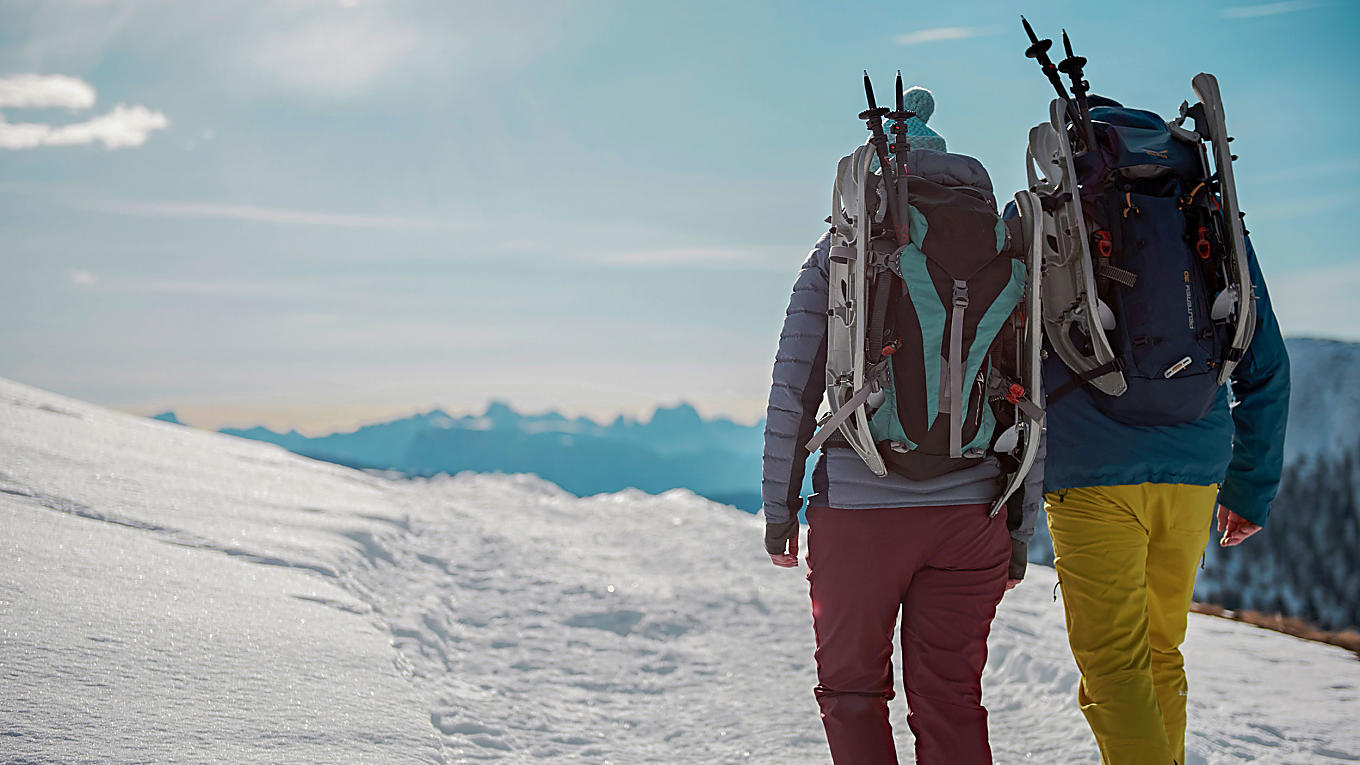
x: 618, y: 622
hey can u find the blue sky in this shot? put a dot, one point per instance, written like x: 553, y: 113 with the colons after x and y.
x: 315, y: 212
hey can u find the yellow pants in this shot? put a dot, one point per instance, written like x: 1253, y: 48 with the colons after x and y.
x: 1126, y: 559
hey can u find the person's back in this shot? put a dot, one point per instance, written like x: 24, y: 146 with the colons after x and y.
x: 1129, y: 512
x: 879, y: 545
x: 1142, y: 442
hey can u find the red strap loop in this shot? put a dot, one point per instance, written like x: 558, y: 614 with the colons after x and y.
x: 1104, y: 244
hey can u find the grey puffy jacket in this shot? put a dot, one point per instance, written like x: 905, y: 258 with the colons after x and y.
x: 840, y: 479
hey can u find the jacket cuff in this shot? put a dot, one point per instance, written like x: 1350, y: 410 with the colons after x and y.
x: 777, y: 535
x: 1019, y: 558
x: 1243, y: 502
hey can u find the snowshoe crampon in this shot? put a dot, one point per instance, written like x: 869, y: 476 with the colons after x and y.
x: 1074, y: 319
x: 1211, y: 126
x: 1029, y: 420
x: 847, y: 383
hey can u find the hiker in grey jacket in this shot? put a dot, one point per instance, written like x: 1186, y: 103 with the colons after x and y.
x: 840, y: 478
x: 883, y: 545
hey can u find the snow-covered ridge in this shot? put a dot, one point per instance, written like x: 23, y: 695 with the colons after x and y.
x: 168, y: 595
x: 173, y: 595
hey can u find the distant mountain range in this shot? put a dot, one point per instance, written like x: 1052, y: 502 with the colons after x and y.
x: 676, y: 448
x: 170, y: 417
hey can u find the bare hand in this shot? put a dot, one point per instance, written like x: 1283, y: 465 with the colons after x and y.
x: 1010, y: 584
x: 1234, y: 527
x: 790, y: 559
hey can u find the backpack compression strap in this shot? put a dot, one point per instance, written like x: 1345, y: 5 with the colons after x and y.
x: 829, y: 425
x: 956, y: 368
x: 1076, y: 380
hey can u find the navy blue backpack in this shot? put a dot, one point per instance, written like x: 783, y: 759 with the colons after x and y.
x: 1158, y: 259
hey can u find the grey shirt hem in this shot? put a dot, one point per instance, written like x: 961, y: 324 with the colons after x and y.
x: 850, y: 485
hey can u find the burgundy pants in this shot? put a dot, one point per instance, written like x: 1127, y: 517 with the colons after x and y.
x: 945, y: 569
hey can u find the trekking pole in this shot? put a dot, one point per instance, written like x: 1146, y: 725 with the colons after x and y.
x: 900, y: 147
x: 1072, y: 67
x: 1038, y: 50
x: 873, y: 119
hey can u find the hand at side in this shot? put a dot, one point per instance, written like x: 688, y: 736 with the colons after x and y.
x: 1235, y: 528
x: 781, y: 542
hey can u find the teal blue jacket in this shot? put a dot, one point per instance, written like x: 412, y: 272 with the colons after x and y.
x: 1240, y: 447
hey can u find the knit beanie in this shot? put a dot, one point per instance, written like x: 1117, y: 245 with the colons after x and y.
x: 919, y: 136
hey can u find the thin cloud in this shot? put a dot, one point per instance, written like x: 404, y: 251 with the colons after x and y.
x: 942, y: 34
x: 81, y: 278
x: 22, y: 136
x: 693, y: 256
x: 280, y: 215
x: 1267, y: 9
x: 205, y: 288
x: 336, y: 54
x: 123, y: 127
x: 343, y: 295
x: 45, y: 91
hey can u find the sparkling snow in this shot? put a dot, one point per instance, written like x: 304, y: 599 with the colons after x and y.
x: 168, y: 595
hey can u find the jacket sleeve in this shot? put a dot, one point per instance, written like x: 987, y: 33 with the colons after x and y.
x: 1260, y: 385
x: 797, y: 388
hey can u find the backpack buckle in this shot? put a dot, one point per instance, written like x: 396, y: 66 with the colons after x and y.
x: 1104, y: 244
x: 1202, y: 243
x: 1129, y: 206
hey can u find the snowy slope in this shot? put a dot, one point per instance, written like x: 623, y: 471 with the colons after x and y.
x: 168, y: 595
x: 172, y: 595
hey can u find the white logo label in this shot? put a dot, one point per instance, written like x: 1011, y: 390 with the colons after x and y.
x: 1178, y: 366
x: 1189, y: 304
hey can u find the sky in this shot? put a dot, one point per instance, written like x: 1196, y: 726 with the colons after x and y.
x: 314, y: 213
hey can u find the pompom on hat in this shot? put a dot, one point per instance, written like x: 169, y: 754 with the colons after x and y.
x: 919, y: 135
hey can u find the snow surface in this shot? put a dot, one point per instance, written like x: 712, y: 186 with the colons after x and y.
x: 170, y: 595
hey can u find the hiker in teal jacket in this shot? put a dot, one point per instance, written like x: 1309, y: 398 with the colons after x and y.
x: 1240, y: 448
x: 1129, y: 511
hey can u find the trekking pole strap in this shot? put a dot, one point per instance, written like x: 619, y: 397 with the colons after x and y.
x: 960, y: 304
x: 832, y: 423
x: 878, y: 310
x: 1004, y: 388
x: 1117, y: 274
x: 1030, y: 409
x: 1079, y: 379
